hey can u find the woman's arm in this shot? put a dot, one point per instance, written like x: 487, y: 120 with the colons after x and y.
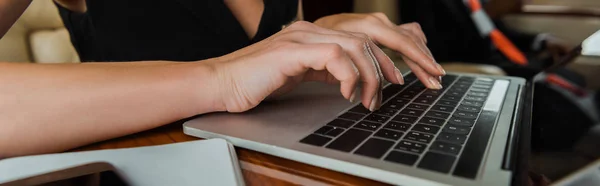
x: 51, y: 108
x: 10, y: 11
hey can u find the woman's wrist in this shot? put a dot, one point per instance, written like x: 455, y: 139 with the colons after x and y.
x: 205, y: 88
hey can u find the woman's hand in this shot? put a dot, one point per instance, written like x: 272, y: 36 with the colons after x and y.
x: 303, y: 52
x: 407, y: 39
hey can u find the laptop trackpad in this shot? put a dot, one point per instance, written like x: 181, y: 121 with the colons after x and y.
x: 293, y: 115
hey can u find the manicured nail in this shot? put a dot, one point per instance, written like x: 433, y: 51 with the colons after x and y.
x: 399, y: 76
x: 353, y: 95
x: 440, y: 77
x: 434, y: 83
x: 439, y: 67
x: 375, y: 102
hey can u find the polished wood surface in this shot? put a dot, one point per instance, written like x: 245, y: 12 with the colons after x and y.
x: 257, y: 168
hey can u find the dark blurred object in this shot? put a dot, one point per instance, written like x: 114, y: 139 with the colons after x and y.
x: 315, y: 9
x: 453, y: 36
x: 558, y: 123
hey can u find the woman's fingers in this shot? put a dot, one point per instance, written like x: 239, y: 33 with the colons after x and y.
x: 432, y: 82
x: 324, y: 56
x: 415, y: 28
x: 359, y: 51
x: 388, y: 69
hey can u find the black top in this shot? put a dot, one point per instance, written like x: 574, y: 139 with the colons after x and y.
x: 178, y: 30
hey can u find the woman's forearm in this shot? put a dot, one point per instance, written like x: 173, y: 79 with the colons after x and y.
x: 49, y: 108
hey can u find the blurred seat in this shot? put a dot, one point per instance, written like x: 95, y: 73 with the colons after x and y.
x: 38, y: 36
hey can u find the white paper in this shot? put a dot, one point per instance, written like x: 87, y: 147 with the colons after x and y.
x: 591, y: 45
x: 202, y: 162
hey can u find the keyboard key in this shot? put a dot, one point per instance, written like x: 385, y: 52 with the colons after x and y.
x: 458, y: 89
x: 411, y: 146
x: 406, y: 96
x: 335, y: 132
x: 390, y: 90
x: 474, y: 98
x: 464, y: 86
x: 442, y: 108
x: 457, y: 129
x: 447, y: 103
x: 417, y: 106
x: 467, y: 115
x: 405, y: 119
x: 468, y: 108
x: 437, y: 162
x: 419, y: 137
x: 352, y: 116
x: 472, y: 103
x: 377, y: 118
x: 467, y: 78
x: 445, y: 147
x: 416, y: 87
x: 457, y: 94
x: 482, y: 86
x: 398, y: 101
x: 432, y: 121
x: 480, y: 90
x: 316, y: 140
x: 392, y: 105
x: 360, y: 109
x: 367, y: 125
x: 424, y: 101
x: 461, y: 121
x: 481, y: 82
x: 349, y: 140
x: 409, y: 78
x: 432, y: 92
x: 398, y: 126
x: 402, y: 158
x: 386, y: 112
x: 451, y: 98
x: 426, y: 128
x: 341, y: 123
x: 452, y: 138
x: 412, y: 112
x: 324, y: 129
x: 412, y: 91
x: 482, y: 94
x: 459, y: 82
x: 389, y: 134
x: 437, y: 114
x: 374, y: 148
x: 428, y: 96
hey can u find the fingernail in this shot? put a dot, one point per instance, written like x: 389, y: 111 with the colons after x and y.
x: 375, y: 102
x: 353, y: 95
x: 439, y: 67
x: 434, y: 83
x: 399, y: 76
x: 440, y: 77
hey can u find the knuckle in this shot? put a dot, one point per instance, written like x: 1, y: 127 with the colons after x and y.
x: 300, y: 24
x: 378, y: 14
x: 371, y: 17
x: 335, y: 52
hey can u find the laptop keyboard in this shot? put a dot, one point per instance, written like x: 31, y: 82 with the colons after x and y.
x: 417, y: 126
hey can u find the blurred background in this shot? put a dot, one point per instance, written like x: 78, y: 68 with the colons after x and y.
x: 39, y: 36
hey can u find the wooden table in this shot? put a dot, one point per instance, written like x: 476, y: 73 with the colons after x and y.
x: 257, y: 168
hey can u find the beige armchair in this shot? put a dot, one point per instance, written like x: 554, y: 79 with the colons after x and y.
x: 38, y: 36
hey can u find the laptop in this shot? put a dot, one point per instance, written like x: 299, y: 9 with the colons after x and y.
x: 474, y: 131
